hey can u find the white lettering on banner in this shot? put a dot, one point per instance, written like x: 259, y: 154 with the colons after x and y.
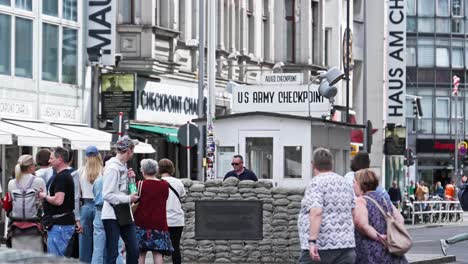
x: 292, y: 99
x: 101, y: 29
x: 168, y: 103
x: 59, y: 113
x: 281, y: 79
x: 15, y: 109
x: 396, y: 62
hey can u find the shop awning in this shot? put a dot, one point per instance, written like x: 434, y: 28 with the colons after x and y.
x: 170, y: 133
x: 96, y: 135
x: 6, y: 138
x: 78, y: 140
x: 29, y: 137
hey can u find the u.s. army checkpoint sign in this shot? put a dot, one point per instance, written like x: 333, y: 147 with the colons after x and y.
x: 290, y: 99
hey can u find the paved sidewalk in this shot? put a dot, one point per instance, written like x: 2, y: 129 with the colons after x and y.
x: 429, y: 258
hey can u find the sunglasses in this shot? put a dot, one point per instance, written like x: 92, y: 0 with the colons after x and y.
x: 235, y: 164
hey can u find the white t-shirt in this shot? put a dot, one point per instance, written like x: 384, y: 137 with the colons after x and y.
x: 175, y: 214
x: 85, y: 186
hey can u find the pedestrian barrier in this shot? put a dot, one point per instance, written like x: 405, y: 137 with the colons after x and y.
x: 436, y: 212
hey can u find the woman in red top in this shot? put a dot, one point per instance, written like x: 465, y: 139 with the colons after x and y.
x: 150, y: 216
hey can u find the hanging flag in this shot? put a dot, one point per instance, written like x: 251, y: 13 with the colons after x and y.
x: 456, y: 82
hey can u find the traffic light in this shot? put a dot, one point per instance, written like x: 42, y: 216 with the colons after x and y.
x: 417, y: 110
x: 409, y: 158
x: 369, y: 136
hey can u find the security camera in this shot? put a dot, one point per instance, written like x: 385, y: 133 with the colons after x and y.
x: 118, y: 58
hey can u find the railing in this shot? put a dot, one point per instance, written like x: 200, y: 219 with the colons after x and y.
x: 436, y: 212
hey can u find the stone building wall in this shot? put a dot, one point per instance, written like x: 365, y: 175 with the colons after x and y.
x: 280, y: 242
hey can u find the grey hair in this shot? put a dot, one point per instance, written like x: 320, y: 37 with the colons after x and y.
x: 149, y: 167
x: 322, y: 159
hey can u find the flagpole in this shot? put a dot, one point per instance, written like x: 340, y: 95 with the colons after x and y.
x: 456, y: 82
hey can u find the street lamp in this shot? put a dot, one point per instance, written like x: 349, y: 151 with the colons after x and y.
x: 326, y: 88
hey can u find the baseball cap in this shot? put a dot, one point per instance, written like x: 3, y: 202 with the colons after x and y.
x: 91, y: 151
x: 125, y: 143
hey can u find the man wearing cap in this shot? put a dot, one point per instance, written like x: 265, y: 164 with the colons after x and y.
x: 115, y: 191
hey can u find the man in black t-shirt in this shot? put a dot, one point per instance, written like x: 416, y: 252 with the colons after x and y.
x: 59, y: 203
x: 240, y: 172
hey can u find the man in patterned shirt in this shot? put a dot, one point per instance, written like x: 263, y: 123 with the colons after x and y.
x: 325, y: 223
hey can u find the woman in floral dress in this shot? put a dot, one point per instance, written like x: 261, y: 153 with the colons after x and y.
x: 150, y: 216
x: 369, y: 222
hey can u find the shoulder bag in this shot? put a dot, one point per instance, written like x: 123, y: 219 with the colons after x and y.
x: 135, y: 205
x: 398, y: 239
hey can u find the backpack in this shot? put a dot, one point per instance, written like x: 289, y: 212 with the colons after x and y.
x: 24, y: 201
x: 398, y: 239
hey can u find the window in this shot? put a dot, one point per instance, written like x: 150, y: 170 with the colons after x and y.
x: 457, y: 57
x: 70, y: 10
x: 24, y: 4
x: 442, y: 107
x: 265, y: 31
x: 50, y: 52
x: 328, y: 34
x: 443, y: 8
x: 5, y: 43
x: 316, y: 33
x: 442, y: 57
x: 251, y: 26
x: 290, y: 30
x: 443, y: 25
x: 50, y: 7
x: 127, y: 12
x: 411, y: 24
x: 426, y: 25
x: 259, y: 156
x: 69, y: 56
x: 293, y: 162
x: 411, y: 7
x: 457, y: 8
x: 426, y: 8
x: 5, y: 2
x: 466, y: 53
x: 459, y: 105
x: 425, y: 52
x: 23, y: 48
x: 457, y: 25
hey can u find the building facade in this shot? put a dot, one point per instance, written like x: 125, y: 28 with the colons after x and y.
x: 437, y: 49
x: 43, y: 101
x: 159, y: 42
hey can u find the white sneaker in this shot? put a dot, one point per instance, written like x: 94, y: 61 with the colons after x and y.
x: 444, y: 246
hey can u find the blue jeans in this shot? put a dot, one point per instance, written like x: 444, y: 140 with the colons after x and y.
x: 113, y: 232
x: 58, y: 237
x: 87, y: 213
x: 99, y: 241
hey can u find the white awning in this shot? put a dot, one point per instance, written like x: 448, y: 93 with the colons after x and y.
x: 6, y: 138
x: 144, y: 148
x: 29, y: 137
x: 78, y: 141
x: 85, y: 130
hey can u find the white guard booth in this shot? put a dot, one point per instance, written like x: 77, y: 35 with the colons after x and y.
x: 279, y: 146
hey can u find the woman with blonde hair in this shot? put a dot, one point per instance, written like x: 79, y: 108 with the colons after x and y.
x: 88, y: 175
x: 370, y: 224
x: 25, y: 232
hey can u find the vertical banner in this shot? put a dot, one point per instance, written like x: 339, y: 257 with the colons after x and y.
x: 101, y: 36
x: 396, y: 61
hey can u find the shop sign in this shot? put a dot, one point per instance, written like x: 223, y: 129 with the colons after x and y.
x: 16, y: 109
x: 396, y: 62
x: 291, y: 99
x: 59, y: 113
x: 117, y: 95
x: 435, y: 145
x: 101, y: 30
x: 281, y: 79
x: 167, y: 103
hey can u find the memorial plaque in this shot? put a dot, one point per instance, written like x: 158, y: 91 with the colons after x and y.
x: 229, y: 220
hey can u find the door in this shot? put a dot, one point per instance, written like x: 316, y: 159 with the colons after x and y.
x: 260, y: 149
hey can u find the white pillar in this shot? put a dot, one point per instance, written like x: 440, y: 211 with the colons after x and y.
x: 220, y: 18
